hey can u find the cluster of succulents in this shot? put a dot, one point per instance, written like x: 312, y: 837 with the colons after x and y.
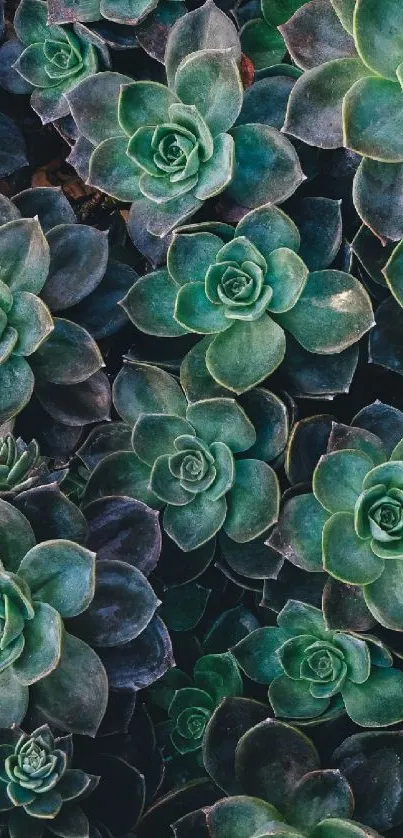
x: 201, y: 419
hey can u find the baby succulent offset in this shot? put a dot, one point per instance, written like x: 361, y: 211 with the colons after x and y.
x: 53, y: 61
x: 246, y: 288
x: 182, y: 459
x: 313, y: 671
x: 354, y: 98
x: 38, y: 787
x: 190, y: 703
x: 18, y: 464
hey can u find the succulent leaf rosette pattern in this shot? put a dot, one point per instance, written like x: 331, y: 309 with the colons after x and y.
x: 182, y: 459
x: 352, y: 523
x: 333, y: 103
x: 168, y: 149
x: 246, y: 288
x: 312, y: 671
x: 53, y: 61
x: 190, y: 702
x: 39, y: 275
x: 40, y: 584
x: 39, y: 790
x: 165, y: 146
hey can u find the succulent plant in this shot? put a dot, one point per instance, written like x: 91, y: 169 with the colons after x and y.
x: 190, y: 702
x: 169, y: 149
x: 53, y: 61
x: 260, y: 37
x: 353, y: 69
x: 40, y: 274
x: 41, y: 584
x: 161, y: 148
x: 256, y: 817
x: 351, y: 521
x: 38, y: 788
x: 313, y: 671
x: 280, y: 786
x: 117, y: 11
x: 104, y: 595
x: 245, y: 753
x: 246, y: 288
x: 182, y: 458
x: 18, y: 464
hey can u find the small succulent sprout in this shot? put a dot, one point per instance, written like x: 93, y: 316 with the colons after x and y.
x: 18, y: 464
x: 184, y: 460
x: 246, y: 288
x: 314, y: 672
x: 334, y: 101
x: 37, y: 785
x: 54, y: 59
x: 190, y: 702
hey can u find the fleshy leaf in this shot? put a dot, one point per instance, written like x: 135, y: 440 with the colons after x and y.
x: 62, y: 574
x: 246, y: 354
x: 222, y: 420
x: 253, y: 501
x: 192, y: 525
x: 346, y: 556
x: 80, y: 676
x: 378, y: 702
x: 150, y: 304
x: 204, y: 28
x: 338, y: 479
x: 139, y: 388
x: 343, y: 313
x: 257, y: 654
x: 210, y: 81
x: 267, y: 168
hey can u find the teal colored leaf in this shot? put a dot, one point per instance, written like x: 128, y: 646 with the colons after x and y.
x: 62, y: 574
x: 253, y: 501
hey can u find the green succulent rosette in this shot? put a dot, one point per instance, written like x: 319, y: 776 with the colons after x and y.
x: 54, y: 59
x: 19, y: 464
x: 245, y: 289
x: 39, y: 790
x: 190, y: 702
x: 314, y: 672
x: 40, y: 585
x: 352, y: 522
x: 351, y: 94
x: 184, y: 460
x: 168, y: 149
